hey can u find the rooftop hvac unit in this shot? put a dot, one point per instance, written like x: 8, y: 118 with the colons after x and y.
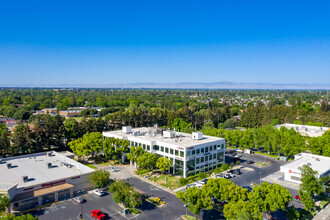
x: 317, y: 159
x: 169, y: 134
x: 8, y: 165
x: 127, y: 129
x: 309, y: 164
x: 25, y: 178
x: 49, y: 165
x: 299, y: 168
x: 197, y: 135
x: 49, y: 154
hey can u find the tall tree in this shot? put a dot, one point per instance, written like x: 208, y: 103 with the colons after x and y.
x: 100, y: 178
x: 243, y: 210
x: 163, y: 163
x: 310, y: 186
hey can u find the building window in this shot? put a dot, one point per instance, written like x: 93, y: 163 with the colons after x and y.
x: 193, y: 152
x: 210, y: 148
x: 295, y: 178
x: 181, y: 154
x: 188, y: 153
x: 198, y: 151
x: 155, y: 147
x: 202, y: 159
x: 219, y: 147
x: 222, y: 146
x: 176, y: 153
x: 220, y: 159
x: 206, y: 158
x: 148, y: 147
x: 210, y: 157
x: 202, y: 150
x: 171, y: 151
x: 206, y: 149
x: 214, y: 156
x: 197, y: 160
x: 144, y: 146
x: 190, y: 167
x: 166, y: 149
x: 178, y: 167
x: 162, y: 149
x: 214, y: 147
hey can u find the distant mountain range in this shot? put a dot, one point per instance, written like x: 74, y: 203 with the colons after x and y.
x: 183, y: 85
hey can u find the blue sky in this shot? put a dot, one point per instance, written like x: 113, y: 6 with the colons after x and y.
x: 115, y: 41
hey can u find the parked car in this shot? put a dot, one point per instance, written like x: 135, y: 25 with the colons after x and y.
x: 97, y: 214
x: 227, y: 176
x: 250, y: 162
x: 248, y: 188
x: 297, y: 197
x: 78, y: 200
x: 113, y: 169
x: 238, y: 155
x: 236, y: 158
x: 238, y: 150
x: 237, y: 172
x: 98, y: 192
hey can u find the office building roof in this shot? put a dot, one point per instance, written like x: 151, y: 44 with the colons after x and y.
x: 306, y: 130
x: 35, y: 167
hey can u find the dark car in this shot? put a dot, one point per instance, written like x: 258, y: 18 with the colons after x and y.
x: 237, y: 172
x: 236, y: 158
x: 250, y: 162
x: 248, y: 188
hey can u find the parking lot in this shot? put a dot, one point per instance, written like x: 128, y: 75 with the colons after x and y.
x: 69, y: 209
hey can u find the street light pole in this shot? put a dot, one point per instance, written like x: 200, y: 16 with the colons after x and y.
x: 260, y: 179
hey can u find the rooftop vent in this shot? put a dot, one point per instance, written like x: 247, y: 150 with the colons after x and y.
x: 299, y: 168
x: 50, y: 154
x: 197, y: 135
x: 317, y: 159
x: 49, y: 165
x: 8, y: 165
x: 127, y: 129
x: 309, y: 164
x: 25, y: 178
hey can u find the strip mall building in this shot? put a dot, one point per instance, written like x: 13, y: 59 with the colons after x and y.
x: 37, y: 179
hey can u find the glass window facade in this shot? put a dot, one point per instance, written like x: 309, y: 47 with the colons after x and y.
x: 176, y: 153
x: 166, y: 149
x: 193, y: 152
x: 219, y: 159
x: 181, y: 154
x: 155, y: 147
x: 202, y: 150
x: 198, y: 151
x: 206, y: 149
x: 188, y: 153
x: 191, y: 167
x: 178, y: 167
x: 162, y: 149
x: 171, y: 151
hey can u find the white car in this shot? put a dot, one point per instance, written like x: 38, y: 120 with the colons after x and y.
x: 78, y: 200
x: 98, y: 192
x: 238, y: 150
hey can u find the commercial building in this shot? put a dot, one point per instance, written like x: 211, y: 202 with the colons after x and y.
x: 37, y: 179
x: 305, y: 130
x: 292, y: 170
x: 189, y: 153
x: 70, y: 113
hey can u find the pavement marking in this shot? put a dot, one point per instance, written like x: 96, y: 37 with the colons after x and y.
x: 88, y: 216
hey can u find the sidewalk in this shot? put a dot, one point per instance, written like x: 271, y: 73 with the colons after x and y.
x: 324, y: 214
x: 278, y: 177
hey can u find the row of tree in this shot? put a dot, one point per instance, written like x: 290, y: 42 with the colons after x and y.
x: 241, y: 204
x: 276, y: 141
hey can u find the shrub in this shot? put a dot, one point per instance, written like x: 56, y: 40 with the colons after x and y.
x: 135, y: 211
x: 238, y: 162
x: 183, y: 181
x: 225, y: 166
x: 202, y: 175
x: 231, y: 164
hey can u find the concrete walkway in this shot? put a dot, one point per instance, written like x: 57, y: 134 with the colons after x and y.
x: 278, y: 177
x: 324, y: 214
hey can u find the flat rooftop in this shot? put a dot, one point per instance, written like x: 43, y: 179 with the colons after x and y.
x: 181, y: 139
x: 35, y: 167
x: 306, y: 130
x: 321, y: 164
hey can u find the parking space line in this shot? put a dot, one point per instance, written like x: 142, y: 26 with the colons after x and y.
x: 88, y: 216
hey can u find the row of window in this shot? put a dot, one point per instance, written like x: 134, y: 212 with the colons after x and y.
x: 205, y: 150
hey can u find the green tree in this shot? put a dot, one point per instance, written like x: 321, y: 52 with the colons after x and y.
x: 293, y: 213
x: 310, y: 186
x: 100, y: 178
x: 94, y: 142
x: 20, y: 217
x: 4, y: 202
x: 243, y: 210
x: 79, y: 148
x: 270, y: 197
x: 122, y: 193
x: 163, y: 163
x: 147, y: 161
x: 4, y: 140
x: 195, y: 201
x: 135, y: 153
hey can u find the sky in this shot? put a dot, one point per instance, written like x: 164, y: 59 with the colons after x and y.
x: 123, y: 41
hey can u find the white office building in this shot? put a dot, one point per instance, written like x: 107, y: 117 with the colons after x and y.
x: 306, y: 130
x: 189, y: 153
x: 292, y: 170
x: 34, y: 180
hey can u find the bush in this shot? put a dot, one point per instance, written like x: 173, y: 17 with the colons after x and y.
x: 135, y: 211
x: 202, y: 175
x: 238, y: 162
x: 183, y: 181
x: 231, y: 164
x: 225, y: 166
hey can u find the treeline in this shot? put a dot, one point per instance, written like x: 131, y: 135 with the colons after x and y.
x: 44, y: 133
x: 270, y: 139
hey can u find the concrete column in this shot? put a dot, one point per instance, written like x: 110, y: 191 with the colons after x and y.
x: 71, y: 192
x: 184, y: 169
x: 173, y: 166
x: 39, y: 200
x: 56, y: 196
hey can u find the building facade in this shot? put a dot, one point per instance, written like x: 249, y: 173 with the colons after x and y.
x: 189, y: 153
x: 292, y: 170
x: 37, y: 179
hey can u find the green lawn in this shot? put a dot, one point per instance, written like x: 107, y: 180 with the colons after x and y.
x: 105, y: 163
x: 90, y: 166
x: 189, y: 217
x: 172, y: 181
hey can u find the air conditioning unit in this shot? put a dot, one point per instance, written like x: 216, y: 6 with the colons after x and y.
x: 169, y: 134
x: 49, y: 154
x: 127, y: 129
x: 197, y: 135
x: 25, y: 178
x: 8, y: 165
x: 309, y: 164
x: 317, y: 159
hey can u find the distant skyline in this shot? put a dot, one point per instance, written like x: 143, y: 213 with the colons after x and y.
x: 116, y: 42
